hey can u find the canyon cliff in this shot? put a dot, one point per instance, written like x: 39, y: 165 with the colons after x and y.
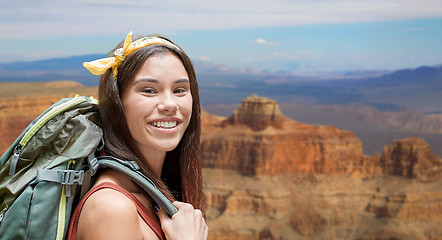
x: 270, y: 177
x: 259, y: 139
x: 267, y: 176
x: 410, y: 157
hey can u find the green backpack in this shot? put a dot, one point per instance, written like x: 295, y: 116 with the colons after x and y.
x: 46, y: 171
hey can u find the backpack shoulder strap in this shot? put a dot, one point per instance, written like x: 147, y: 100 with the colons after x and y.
x: 132, y: 170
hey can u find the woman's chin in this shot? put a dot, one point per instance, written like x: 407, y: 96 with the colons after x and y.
x: 167, y: 147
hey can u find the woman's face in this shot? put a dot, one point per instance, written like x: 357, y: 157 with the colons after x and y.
x: 158, y: 104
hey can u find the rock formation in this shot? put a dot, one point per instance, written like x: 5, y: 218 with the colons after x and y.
x: 411, y: 157
x: 259, y: 139
x: 258, y: 113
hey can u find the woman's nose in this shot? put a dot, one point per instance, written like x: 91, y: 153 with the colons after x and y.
x: 167, y: 104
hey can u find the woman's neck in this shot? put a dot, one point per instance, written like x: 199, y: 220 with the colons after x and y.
x: 155, y: 159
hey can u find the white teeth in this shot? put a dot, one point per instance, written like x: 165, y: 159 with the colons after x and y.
x: 164, y: 124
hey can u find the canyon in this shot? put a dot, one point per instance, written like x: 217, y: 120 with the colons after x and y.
x: 268, y: 176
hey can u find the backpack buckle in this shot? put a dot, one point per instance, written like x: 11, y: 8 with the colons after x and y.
x: 70, y: 177
x: 65, y: 177
x: 93, y: 164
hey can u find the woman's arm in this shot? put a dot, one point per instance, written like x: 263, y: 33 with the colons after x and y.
x: 187, y: 224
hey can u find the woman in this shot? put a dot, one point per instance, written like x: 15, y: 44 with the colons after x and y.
x: 150, y: 112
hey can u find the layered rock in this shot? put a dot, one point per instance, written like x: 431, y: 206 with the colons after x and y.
x: 411, y: 157
x: 407, y: 206
x: 258, y: 113
x: 241, y: 207
x: 259, y: 139
x: 310, y: 206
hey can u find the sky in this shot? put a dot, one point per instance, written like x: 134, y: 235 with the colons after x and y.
x: 298, y: 36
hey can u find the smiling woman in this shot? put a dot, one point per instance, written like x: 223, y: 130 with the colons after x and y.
x: 158, y: 107
x: 149, y: 106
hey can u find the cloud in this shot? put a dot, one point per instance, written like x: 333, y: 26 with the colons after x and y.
x: 204, y: 58
x: 263, y: 42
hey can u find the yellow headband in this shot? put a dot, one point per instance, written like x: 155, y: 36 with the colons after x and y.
x: 100, y: 66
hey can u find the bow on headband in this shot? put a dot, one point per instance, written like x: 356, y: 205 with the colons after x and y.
x: 100, y: 66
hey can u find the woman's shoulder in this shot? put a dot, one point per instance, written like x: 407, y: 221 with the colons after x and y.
x: 108, y: 214
x: 110, y: 201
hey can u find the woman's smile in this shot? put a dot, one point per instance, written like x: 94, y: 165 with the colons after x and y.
x: 159, y: 124
x: 167, y: 123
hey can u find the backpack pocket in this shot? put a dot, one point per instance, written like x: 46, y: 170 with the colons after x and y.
x: 35, y: 215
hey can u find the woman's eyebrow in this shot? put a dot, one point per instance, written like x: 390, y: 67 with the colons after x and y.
x: 182, y: 80
x: 146, y: 80
x: 185, y: 80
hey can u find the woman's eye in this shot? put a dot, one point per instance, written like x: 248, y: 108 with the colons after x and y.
x: 180, y: 90
x: 149, y: 90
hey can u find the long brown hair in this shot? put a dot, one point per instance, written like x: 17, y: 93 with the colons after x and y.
x: 181, y: 178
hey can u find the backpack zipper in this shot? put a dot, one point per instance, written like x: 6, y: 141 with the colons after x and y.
x: 39, y: 124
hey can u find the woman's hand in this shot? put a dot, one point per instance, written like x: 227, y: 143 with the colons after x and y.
x: 187, y: 223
